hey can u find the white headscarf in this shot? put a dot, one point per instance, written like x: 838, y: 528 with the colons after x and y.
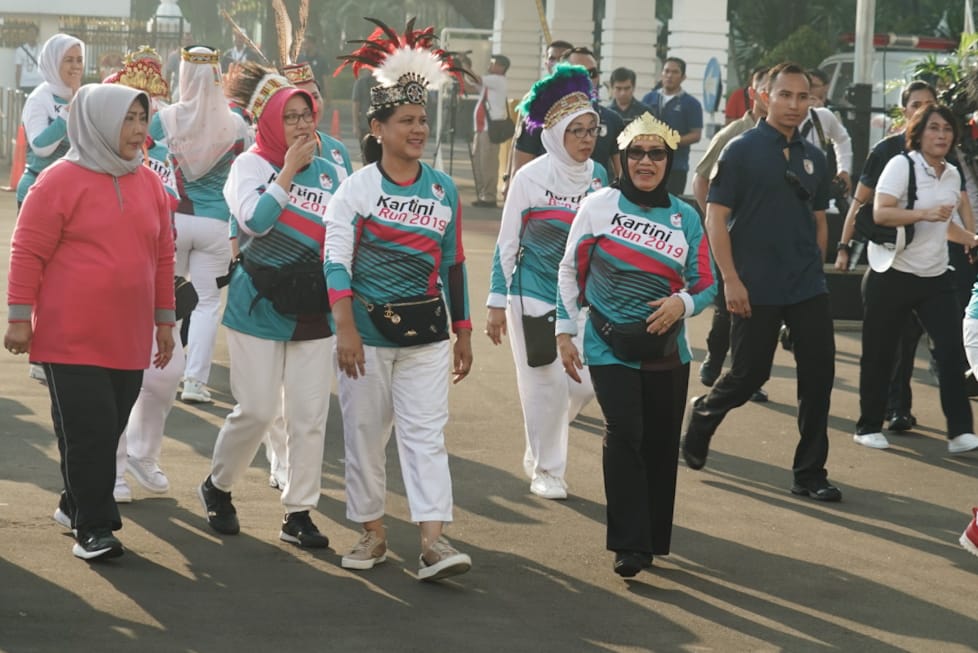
x: 566, y: 176
x: 95, y: 126
x: 200, y: 128
x: 49, y: 62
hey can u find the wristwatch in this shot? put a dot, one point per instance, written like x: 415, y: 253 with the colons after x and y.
x: 846, y: 247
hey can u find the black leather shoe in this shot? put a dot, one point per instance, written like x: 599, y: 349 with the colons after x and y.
x: 818, y: 490
x: 695, y: 449
x: 901, y: 422
x: 629, y: 563
x: 709, y: 373
x: 759, y: 396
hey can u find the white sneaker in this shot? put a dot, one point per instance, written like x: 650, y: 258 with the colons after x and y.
x: 872, y: 440
x: 36, y: 372
x: 122, y: 493
x: 148, y: 473
x: 548, y: 486
x: 63, y: 519
x: 963, y: 443
x: 194, y: 392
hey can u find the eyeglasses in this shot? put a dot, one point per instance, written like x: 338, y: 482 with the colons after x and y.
x: 581, y: 132
x: 800, y: 190
x: 593, y: 73
x: 655, y: 154
x: 294, y: 118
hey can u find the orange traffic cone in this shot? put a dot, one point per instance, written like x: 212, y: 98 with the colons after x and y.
x: 19, y: 159
x: 334, y: 127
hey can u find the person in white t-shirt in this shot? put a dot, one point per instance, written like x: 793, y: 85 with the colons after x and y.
x: 913, y: 278
x: 485, y: 154
x: 27, y: 73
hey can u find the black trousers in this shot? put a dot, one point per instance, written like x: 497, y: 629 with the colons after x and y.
x: 890, y: 299
x: 753, y: 342
x: 718, y: 339
x: 643, y: 412
x: 90, y: 407
x: 900, y: 396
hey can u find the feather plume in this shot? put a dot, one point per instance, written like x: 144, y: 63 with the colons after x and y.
x: 283, y: 30
x: 564, y: 80
x: 300, y: 32
x: 407, y: 60
x: 240, y: 32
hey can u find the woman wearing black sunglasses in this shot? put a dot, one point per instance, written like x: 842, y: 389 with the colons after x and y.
x: 638, y: 257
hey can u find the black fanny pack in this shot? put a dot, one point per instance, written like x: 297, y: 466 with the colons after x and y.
x: 410, y: 321
x: 293, y: 289
x: 186, y: 296
x: 631, y: 342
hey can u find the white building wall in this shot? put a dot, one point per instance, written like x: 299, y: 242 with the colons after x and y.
x: 629, y: 34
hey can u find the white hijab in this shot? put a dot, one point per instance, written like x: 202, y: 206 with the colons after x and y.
x: 565, y: 176
x: 200, y: 128
x: 95, y: 127
x: 49, y: 63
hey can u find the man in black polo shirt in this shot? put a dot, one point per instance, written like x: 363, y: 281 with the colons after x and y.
x: 624, y: 102
x: 765, y: 218
x: 529, y: 146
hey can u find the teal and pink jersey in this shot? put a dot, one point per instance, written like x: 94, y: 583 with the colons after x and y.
x: 620, y: 256
x: 386, y: 242
x: 533, y: 233
x: 284, y: 227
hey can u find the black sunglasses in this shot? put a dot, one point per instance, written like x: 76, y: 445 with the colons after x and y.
x: 800, y: 190
x: 593, y: 73
x: 637, y: 154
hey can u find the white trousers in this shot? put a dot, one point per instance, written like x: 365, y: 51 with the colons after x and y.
x: 550, y: 399
x: 260, y: 369
x: 970, y: 328
x: 203, y: 254
x: 143, y: 437
x: 407, y: 388
x: 275, y: 442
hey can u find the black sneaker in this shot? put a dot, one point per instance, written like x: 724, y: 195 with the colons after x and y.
x: 759, y: 396
x: 99, y: 543
x: 297, y: 528
x: 900, y: 422
x: 629, y: 563
x: 221, y: 514
x: 819, y: 490
x: 709, y: 372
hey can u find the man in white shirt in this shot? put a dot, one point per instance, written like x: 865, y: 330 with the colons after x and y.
x: 27, y: 75
x: 485, y: 154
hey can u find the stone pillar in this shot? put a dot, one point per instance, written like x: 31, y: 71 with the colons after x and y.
x: 570, y: 20
x: 629, y: 33
x: 516, y: 33
x: 698, y: 32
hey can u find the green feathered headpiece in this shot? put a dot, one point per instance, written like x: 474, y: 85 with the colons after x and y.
x: 565, y: 91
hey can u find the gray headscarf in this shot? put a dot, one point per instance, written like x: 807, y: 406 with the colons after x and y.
x: 95, y: 125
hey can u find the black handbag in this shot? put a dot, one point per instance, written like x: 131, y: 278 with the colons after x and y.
x: 630, y: 341
x: 410, y: 321
x: 186, y: 296
x: 500, y: 131
x: 293, y: 289
x: 867, y: 228
x: 540, y: 339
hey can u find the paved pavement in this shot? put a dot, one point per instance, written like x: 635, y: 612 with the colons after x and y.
x: 753, y: 568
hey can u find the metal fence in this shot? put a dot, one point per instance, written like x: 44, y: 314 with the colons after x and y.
x: 11, y: 106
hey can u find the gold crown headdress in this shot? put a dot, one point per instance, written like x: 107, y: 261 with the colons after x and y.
x: 212, y: 57
x: 645, y: 127
x: 406, y: 65
x: 142, y: 70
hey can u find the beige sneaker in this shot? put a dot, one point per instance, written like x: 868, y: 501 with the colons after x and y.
x: 369, y: 551
x: 442, y: 560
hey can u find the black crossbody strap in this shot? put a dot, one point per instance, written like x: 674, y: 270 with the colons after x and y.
x: 911, y: 183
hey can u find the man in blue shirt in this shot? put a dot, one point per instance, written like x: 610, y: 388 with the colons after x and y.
x: 765, y: 218
x: 681, y: 111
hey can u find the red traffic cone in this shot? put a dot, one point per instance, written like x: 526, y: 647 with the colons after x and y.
x: 334, y: 127
x: 19, y: 159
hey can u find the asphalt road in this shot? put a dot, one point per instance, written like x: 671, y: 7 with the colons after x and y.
x: 752, y: 568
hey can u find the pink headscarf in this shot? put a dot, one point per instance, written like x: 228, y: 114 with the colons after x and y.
x: 270, y: 138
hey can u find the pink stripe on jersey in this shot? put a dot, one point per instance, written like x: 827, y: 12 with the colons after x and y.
x: 642, y: 261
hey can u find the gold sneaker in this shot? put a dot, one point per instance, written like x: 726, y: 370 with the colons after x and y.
x: 442, y: 560
x: 370, y: 550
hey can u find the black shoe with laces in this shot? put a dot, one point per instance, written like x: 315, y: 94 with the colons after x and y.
x: 297, y: 528
x: 819, y: 490
x: 221, y: 514
x: 97, y: 544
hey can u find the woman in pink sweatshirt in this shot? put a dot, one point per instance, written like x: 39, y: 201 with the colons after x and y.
x: 91, y: 275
